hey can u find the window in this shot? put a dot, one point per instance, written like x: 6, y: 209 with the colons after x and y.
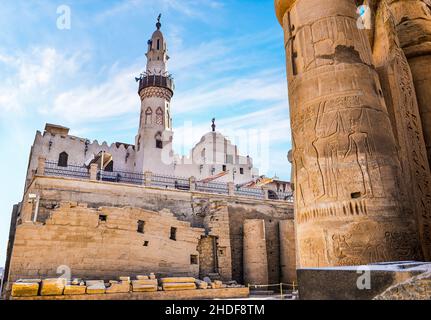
x: 224, y: 168
x: 159, y: 144
x: 241, y: 170
x: 159, y: 116
x: 173, y: 234
x: 158, y: 44
x: 62, y: 159
x: 146, y: 243
x: 103, y: 218
x: 193, y: 259
x: 110, y: 167
x: 141, y: 225
x: 148, y: 116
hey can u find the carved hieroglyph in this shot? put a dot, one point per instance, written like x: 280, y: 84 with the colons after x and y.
x: 413, y: 21
x: 400, y: 96
x: 348, y: 177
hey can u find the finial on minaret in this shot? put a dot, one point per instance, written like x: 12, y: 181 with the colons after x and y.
x: 213, y: 126
x: 158, y: 24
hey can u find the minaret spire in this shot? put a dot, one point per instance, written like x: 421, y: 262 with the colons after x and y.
x: 158, y: 24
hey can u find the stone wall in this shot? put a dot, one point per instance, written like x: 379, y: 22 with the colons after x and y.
x: 271, y: 214
x: 104, y: 243
x: 220, y: 216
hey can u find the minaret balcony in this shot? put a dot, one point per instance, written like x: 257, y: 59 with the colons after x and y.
x: 156, y: 81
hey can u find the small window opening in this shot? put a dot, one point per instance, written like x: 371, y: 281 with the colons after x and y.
x: 141, y: 225
x: 193, y: 259
x: 173, y: 234
x: 146, y: 243
x: 241, y: 170
x: 103, y: 218
x: 224, y: 168
x: 159, y: 144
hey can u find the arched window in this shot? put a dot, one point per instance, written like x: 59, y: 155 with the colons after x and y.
x: 62, y: 159
x: 148, y: 116
x: 159, y: 116
x: 110, y: 167
x: 158, y: 44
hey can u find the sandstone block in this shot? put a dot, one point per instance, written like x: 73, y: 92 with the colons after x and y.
x: 178, y: 280
x: 53, y: 287
x: 124, y: 278
x: 172, y: 286
x: 144, y: 285
x: 96, y: 287
x: 119, y: 287
x: 152, y: 276
x: 143, y: 277
x: 72, y: 290
x: 25, y: 289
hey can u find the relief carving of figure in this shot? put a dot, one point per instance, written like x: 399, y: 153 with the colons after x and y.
x: 360, y: 148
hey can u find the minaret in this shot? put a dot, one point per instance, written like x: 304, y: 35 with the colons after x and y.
x: 156, y: 88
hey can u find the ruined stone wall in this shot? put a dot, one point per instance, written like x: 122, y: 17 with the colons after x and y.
x: 287, y: 251
x: 255, y: 255
x: 221, y: 216
x: 79, y: 238
x: 271, y: 215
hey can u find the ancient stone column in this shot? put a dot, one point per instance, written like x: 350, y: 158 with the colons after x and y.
x: 347, y: 171
x: 254, y: 252
x: 287, y: 251
x: 398, y: 88
x: 413, y: 20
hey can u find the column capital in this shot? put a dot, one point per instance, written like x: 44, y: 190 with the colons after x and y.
x: 281, y: 6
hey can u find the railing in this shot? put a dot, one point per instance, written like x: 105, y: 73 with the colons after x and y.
x: 121, y: 177
x: 160, y: 181
x: 170, y: 182
x: 212, y: 187
x: 285, y: 196
x: 250, y: 192
x: 53, y: 169
x: 156, y: 81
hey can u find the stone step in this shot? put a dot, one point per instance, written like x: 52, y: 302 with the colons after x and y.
x: 261, y: 292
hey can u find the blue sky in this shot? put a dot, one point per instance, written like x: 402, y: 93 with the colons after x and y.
x: 227, y: 58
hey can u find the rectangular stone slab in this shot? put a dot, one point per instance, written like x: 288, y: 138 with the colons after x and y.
x: 22, y: 289
x: 145, y: 282
x: 144, y: 288
x: 52, y: 287
x: 178, y: 280
x: 98, y: 288
x: 178, y: 286
x: 72, y: 290
x: 122, y: 287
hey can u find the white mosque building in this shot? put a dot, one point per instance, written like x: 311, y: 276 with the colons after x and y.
x: 213, y: 159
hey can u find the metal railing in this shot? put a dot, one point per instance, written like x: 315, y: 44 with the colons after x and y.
x: 170, y: 182
x: 285, y: 196
x: 121, y: 177
x: 212, y: 187
x: 250, y: 192
x: 160, y: 181
x: 53, y: 169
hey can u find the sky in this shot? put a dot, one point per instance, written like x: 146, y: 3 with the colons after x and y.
x: 227, y: 59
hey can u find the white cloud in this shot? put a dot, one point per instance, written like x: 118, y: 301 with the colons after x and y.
x: 32, y: 75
